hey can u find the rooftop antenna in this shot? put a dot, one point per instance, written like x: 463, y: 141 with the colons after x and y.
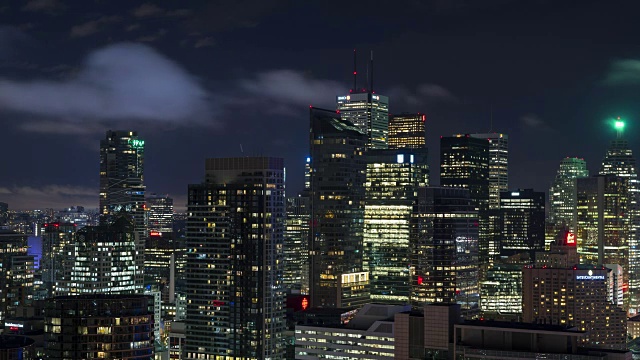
x: 371, y: 80
x: 355, y: 71
x: 241, y: 149
x: 619, y: 125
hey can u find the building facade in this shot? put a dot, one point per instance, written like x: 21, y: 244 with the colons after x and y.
x: 521, y: 222
x: 393, y: 179
x: 563, y: 192
x: 159, y: 214
x: 407, y: 131
x: 338, y: 170
x: 444, y: 259
x: 235, y: 297
x: 99, y: 327
x: 296, y: 243
x: 370, y: 113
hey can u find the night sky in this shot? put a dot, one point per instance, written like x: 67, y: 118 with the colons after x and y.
x: 215, y: 77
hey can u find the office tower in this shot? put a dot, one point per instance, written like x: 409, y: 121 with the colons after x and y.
x: 563, y: 192
x: 12, y: 246
x: 56, y: 238
x: 337, y: 276
x: 159, y: 211
x: 366, y: 109
x: 102, y: 260
x: 74, y: 215
x: 501, y: 291
x: 521, y: 221
x: 393, y: 179
x: 160, y: 262
x: 619, y: 161
x: 122, y: 184
x: 464, y: 163
x: 234, y: 260
x: 558, y: 291
x: 444, y: 259
x: 296, y: 243
x: 602, y: 227
x: 407, y: 131
x: 99, y: 326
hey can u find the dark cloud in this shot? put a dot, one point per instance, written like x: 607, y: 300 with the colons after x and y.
x: 43, y: 5
x: 292, y: 88
x: 623, y: 72
x: 147, y: 9
x: 533, y: 121
x: 49, y: 196
x: 119, y: 82
x: 221, y: 15
x: 204, y: 42
x: 424, y: 95
x: 93, y: 26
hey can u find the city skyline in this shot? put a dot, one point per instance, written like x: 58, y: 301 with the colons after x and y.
x: 508, y: 84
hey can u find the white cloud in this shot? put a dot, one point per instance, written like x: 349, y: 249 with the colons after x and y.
x: 533, y: 121
x: 623, y: 72
x: 48, y: 196
x: 42, y: 5
x: 120, y: 82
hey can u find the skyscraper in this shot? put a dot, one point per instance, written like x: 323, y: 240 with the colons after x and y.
x: 444, y: 249
x: 521, y: 222
x: 366, y: 109
x: 602, y: 227
x: 407, y: 131
x: 296, y: 243
x: 393, y: 179
x: 102, y: 260
x: 338, y: 170
x: 122, y: 184
x: 234, y: 260
x: 498, y: 182
x: 56, y: 238
x: 464, y: 163
x: 619, y: 161
x: 563, y: 192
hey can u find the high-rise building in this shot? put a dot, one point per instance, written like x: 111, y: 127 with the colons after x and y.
x: 56, y: 239
x: 563, y: 192
x: 464, y: 163
x: 13, y: 248
x: 159, y: 211
x: 521, y: 221
x: 407, y: 131
x: 234, y: 272
x: 558, y: 291
x: 602, y: 226
x: 99, y: 326
x: 370, y: 113
x: 619, y: 161
x: 444, y: 259
x: 501, y: 291
x: 393, y: 179
x: 338, y: 170
x: 102, y: 260
x: 122, y: 183
x: 296, y: 243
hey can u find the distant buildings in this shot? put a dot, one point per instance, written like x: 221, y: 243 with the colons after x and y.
x: 338, y: 171
x: 159, y: 214
x: 57, y: 239
x: 235, y: 295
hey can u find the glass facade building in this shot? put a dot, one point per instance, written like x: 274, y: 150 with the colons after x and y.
x: 159, y: 211
x: 296, y: 243
x: 563, y: 192
x: 522, y: 222
x: 444, y: 249
x: 393, y: 179
x: 338, y: 171
x: 370, y: 113
x: 234, y: 271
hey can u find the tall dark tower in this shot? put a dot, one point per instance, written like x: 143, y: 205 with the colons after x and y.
x: 234, y: 266
x: 464, y: 163
x: 122, y: 183
x: 338, y: 170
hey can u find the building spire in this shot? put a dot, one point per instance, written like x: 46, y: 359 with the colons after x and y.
x: 355, y: 71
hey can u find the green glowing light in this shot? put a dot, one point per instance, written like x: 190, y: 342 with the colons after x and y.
x: 619, y: 125
x: 138, y: 144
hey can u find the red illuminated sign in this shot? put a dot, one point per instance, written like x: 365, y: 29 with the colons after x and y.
x: 304, y: 303
x: 218, y: 303
x: 420, y: 280
x: 155, y: 233
x: 570, y: 239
